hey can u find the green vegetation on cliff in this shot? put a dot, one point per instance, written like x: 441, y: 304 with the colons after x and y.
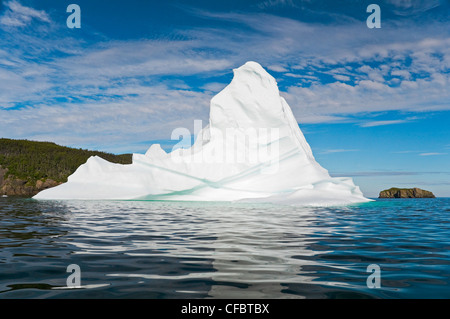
x: 33, y: 161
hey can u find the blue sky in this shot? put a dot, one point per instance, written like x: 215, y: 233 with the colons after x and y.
x: 374, y: 104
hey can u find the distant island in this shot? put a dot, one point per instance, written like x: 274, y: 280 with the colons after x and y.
x: 405, y: 193
x: 27, y: 167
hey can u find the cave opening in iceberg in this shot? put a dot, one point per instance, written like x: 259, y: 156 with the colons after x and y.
x: 252, y: 150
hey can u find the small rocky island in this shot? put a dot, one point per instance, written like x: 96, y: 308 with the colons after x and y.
x: 405, y: 193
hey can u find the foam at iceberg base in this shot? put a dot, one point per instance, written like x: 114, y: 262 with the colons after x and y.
x: 251, y: 150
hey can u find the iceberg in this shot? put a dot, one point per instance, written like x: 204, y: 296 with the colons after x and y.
x: 252, y: 150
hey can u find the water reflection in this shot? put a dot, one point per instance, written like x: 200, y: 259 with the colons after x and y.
x: 253, y: 252
x: 207, y: 250
x: 131, y: 249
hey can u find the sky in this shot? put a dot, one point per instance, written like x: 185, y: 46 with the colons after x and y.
x: 373, y: 103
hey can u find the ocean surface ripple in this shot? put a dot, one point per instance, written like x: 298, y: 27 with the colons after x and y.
x: 150, y: 249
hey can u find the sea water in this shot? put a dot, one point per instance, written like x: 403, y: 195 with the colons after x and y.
x: 145, y: 249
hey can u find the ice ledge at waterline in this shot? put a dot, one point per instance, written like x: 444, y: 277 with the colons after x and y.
x: 251, y: 150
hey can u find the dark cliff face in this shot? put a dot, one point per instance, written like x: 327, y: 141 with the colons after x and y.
x: 2, y: 175
x: 406, y: 193
x: 12, y: 186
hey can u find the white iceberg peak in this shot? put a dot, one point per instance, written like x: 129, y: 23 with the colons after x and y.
x: 252, y: 150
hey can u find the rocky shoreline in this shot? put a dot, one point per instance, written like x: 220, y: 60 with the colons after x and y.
x: 28, y: 167
x: 13, y: 186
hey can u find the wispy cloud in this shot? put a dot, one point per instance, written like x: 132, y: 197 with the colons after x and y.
x: 341, y: 77
x: 381, y: 123
x: 277, y: 3
x: 98, y: 90
x: 277, y: 68
x: 405, y: 152
x: 410, y: 7
x: 17, y: 15
x: 432, y: 154
x: 420, y: 153
x: 111, y: 122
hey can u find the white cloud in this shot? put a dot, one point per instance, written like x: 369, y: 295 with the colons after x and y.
x: 312, y: 118
x: 372, y: 85
x: 373, y: 74
x: 432, y: 154
x: 277, y: 68
x: 152, y: 114
x: 401, y: 73
x: 277, y: 3
x: 341, y: 77
x: 409, y: 85
x: 18, y: 15
x: 381, y: 123
x: 409, y: 7
x: 423, y: 94
x: 305, y: 47
x: 214, y: 87
x: 141, y: 58
x: 112, y: 87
